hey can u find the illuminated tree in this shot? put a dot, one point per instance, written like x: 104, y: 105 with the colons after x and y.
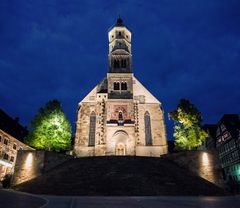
x: 50, y: 129
x: 188, y: 132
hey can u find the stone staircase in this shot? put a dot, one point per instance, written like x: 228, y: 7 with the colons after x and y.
x: 119, y: 176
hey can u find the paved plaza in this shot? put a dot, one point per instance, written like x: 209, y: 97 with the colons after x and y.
x: 12, y: 199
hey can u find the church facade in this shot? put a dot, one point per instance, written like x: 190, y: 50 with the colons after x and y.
x: 120, y: 116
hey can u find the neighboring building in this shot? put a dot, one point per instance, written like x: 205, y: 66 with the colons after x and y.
x: 11, y: 137
x: 210, y: 142
x: 120, y: 116
x: 228, y: 146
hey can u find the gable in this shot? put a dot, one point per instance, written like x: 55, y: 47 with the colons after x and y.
x: 91, y: 96
x: 139, y: 92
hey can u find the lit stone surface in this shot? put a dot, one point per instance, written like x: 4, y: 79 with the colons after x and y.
x: 9, y: 147
x: 120, y: 103
x: 33, y: 163
x: 202, y: 163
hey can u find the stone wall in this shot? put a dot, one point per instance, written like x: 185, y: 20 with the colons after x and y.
x: 202, y: 163
x: 157, y: 124
x: 31, y: 164
x: 151, y: 151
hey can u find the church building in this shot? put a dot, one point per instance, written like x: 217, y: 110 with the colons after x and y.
x: 120, y: 116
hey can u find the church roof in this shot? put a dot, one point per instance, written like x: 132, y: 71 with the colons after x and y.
x: 102, y: 86
x: 232, y: 123
x: 139, y: 92
x: 119, y: 23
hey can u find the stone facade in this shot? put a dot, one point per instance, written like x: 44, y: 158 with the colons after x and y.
x: 201, y: 163
x: 9, y: 147
x: 120, y: 116
x: 33, y: 163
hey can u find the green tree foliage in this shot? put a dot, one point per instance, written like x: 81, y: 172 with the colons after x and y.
x: 50, y: 129
x: 187, y: 125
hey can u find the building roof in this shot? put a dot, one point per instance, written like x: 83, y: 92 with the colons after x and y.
x: 139, y: 92
x: 119, y: 23
x: 103, y: 86
x: 231, y: 122
x: 211, y: 129
x: 12, y: 126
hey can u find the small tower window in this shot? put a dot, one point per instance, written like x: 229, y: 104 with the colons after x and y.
x: 119, y: 33
x: 116, y: 86
x: 123, y: 63
x: 124, y: 86
x: 116, y: 64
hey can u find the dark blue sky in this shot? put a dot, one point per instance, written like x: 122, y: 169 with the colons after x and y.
x: 181, y: 49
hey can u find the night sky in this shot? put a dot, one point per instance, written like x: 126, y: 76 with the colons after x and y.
x: 181, y: 49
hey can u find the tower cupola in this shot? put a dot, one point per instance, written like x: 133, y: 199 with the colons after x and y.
x: 120, y: 54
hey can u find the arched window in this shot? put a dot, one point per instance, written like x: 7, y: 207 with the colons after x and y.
x: 116, y: 64
x: 92, y: 129
x: 116, y: 86
x: 124, y: 86
x: 124, y: 63
x: 148, y: 133
x: 120, y: 116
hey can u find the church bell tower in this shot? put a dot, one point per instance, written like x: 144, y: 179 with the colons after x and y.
x: 119, y: 75
x: 120, y: 55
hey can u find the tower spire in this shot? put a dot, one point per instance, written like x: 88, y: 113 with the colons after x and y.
x: 120, y: 55
x: 119, y: 21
